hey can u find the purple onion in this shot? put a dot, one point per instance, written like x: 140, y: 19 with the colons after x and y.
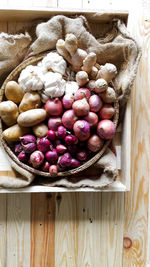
x: 28, y: 138
x: 67, y: 101
x: 53, y: 170
x: 61, y: 132
x: 65, y: 160
x: 69, y: 140
x: 43, y: 144
x: 81, y: 155
x: 81, y: 130
x: 36, y: 159
x: 72, y: 149
x: 51, y: 135
x: 29, y: 148
x: 18, y: 148
x: 54, y: 122
x: 95, y: 103
x: 45, y: 166
x: 61, y: 149
x: 52, y: 156
x: 22, y: 157
x: 75, y: 163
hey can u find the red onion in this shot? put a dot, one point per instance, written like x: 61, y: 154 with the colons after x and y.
x: 81, y: 107
x: 81, y: 155
x: 51, y: 135
x: 72, y: 149
x: 69, y: 118
x: 54, y: 107
x: 36, y: 159
x: 82, y: 130
x: 94, y: 143
x: 22, y: 157
x: 67, y: 101
x: 61, y: 149
x: 75, y: 163
x: 53, y: 170
x: 65, y: 160
x: 29, y: 148
x: 107, y: 112
x: 45, y: 166
x: 43, y: 144
x: 52, y: 156
x: 28, y: 138
x: 53, y: 123
x: 91, y: 118
x: 95, y: 103
x: 61, y: 132
x: 69, y: 140
x: 106, y: 129
x: 82, y: 93
x: 18, y: 148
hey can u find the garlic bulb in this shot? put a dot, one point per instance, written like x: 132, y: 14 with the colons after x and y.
x: 54, y: 85
x: 30, y: 79
x: 71, y: 88
x: 54, y: 62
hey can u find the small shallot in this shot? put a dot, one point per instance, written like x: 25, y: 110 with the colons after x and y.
x: 29, y: 148
x: 67, y: 101
x: 75, y: 163
x: 106, y: 129
x: 51, y: 135
x: 82, y: 93
x: 18, y: 148
x: 53, y: 123
x: 22, y: 157
x: 43, y: 144
x: 61, y: 132
x: 95, y: 143
x: 82, y: 130
x: 28, y: 138
x: 61, y: 149
x: 53, y: 170
x: 54, y: 107
x: 81, y: 155
x: 91, y: 118
x: 107, y: 112
x: 36, y: 159
x: 95, y: 103
x: 69, y: 118
x: 45, y: 166
x: 52, y: 156
x: 65, y: 160
x: 81, y: 107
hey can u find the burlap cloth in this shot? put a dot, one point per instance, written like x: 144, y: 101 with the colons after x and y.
x: 112, y: 43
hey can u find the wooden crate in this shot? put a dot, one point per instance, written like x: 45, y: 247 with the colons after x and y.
x: 14, y: 19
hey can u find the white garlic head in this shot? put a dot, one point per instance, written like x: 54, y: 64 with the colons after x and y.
x: 53, y: 61
x: 71, y: 88
x: 54, y: 85
x: 30, y: 79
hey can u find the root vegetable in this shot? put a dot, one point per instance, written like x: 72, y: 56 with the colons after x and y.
x: 91, y: 118
x: 9, y: 112
x: 91, y: 85
x: 89, y: 62
x: 36, y: 159
x: 29, y: 148
x: 109, y: 96
x: 40, y: 130
x: 18, y: 148
x: 54, y: 107
x: 95, y: 103
x: 106, y: 129
x: 53, y: 170
x: 81, y: 107
x: 82, y: 93
x: 61, y: 132
x: 51, y: 135
x: 31, y: 117
x: 61, y: 149
x: 52, y: 156
x: 30, y: 101
x: 81, y: 155
x: 100, y: 86
x: 75, y: 163
x: 28, y: 138
x: 14, y: 92
x: 65, y: 160
x: 22, y: 157
x: 67, y: 101
x: 94, y: 143
x: 107, y: 72
x: 82, y: 78
x: 45, y: 166
x: 82, y: 130
x: 53, y: 123
x: 14, y: 132
x: 107, y: 112
x: 43, y: 144
x: 61, y: 49
x: 69, y: 118
x: 71, y: 43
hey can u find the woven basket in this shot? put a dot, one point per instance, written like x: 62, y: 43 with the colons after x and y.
x: 14, y: 76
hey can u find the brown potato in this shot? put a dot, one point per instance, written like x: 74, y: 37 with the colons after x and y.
x: 40, y: 130
x: 14, y: 92
x: 31, y: 117
x: 30, y: 101
x: 9, y: 112
x: 13, y: 133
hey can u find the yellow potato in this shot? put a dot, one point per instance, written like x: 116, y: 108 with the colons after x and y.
x: 13, y: 133
x: 31, y: 117
x: 40, y: 130
x: 30, y: 101
x: 9, y: 112
x: 14, y: 92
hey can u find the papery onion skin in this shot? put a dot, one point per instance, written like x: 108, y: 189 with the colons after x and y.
x: 36, y: 159
x: 82, y: 93
x: 18, y: 148
x: 28, y: 138
x: 95, y: 143
x: 29, y: 148
x: 106, y: 129
x: 69, y: 118
x: 82, y: 130
x: 54, y: 123
x: 106, y: 112
x: 95, y: 103
x: 54, y: 107
x: 81, y: 107
x: 91, y: 118
x: 61, y: 149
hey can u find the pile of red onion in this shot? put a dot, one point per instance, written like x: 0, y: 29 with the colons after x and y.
x: 78, y: 127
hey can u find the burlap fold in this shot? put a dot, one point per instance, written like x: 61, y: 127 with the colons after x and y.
x: 112, y: 43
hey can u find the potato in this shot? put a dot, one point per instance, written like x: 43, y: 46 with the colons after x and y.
x: 31, y: 117
x: 13, y: 133
x: 14, y: 92
x: 30, y: 101
x: 40, y: 130
x: 9, y: 112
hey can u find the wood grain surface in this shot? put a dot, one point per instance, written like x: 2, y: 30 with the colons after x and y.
x: 86, y: 229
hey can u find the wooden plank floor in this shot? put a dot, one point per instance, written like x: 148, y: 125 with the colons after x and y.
x: 87, y: 229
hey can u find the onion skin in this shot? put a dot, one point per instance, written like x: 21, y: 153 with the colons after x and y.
x: 28, y: 138
x: 45, y: 166
x: 91, y: 118
x: 53, y: 123
x: 67, y: 101
x: 18, y: 148
x: 61, y: 149
x: 29, y: 148
x: 54, y: 107
x: 51, y: 135
x: 106, y: 129
x: 82, y: 93
x: 95, y: 103
x: 51, y: 156
x: 106, y: 112
x: 36, y: 159
x: 81, y: 107
x: 53, y: 170
x: 95, y: 143
x: 82, y: 130
x: 43, y: 144
x: 69, y: 118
